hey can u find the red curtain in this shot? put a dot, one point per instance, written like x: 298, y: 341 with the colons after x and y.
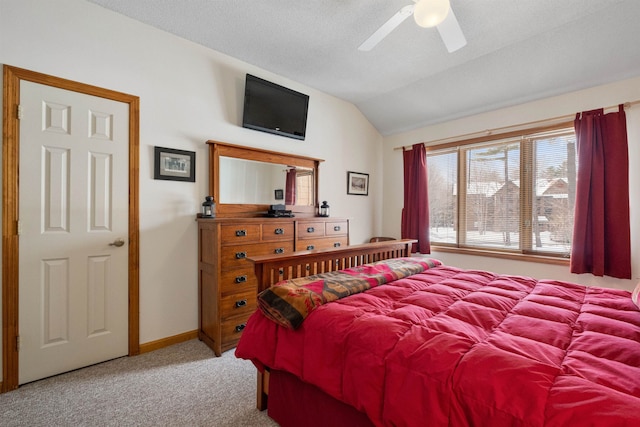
x: 601, y: 233
x: 415, y: 214
x: 290, y: 187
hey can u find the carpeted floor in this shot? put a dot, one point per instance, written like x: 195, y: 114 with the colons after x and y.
x: 181, y: 385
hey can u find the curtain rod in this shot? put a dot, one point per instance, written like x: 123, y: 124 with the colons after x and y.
x: 491, y: 131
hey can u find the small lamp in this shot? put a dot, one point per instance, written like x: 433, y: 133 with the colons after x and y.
x: 324, y: 209
x: 209, y: 207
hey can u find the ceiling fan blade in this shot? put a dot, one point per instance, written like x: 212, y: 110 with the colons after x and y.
x: 451, y: 33
x: 387, y: 27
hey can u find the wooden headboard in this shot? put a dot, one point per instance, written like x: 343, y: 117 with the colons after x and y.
x: 271, y: 269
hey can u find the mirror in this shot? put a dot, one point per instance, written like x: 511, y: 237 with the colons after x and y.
x: 253, y: 182
x: 245, y: 181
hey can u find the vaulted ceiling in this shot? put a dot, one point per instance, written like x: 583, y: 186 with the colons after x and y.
x: 517, y: 50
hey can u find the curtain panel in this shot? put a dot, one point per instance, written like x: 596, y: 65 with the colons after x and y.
x: 290, y: 186
x: 415, y: 214
x: 601, y: 242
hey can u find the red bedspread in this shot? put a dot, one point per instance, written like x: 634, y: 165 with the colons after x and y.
x: 454, y: 347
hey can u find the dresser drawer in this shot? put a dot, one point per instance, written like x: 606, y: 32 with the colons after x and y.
x: 234, y: 257
x: 310, y: 230
x: 238, y: 304
x: 336, y: 228
x: 232, y: 330
x: 233, y: 234
x: 277, y: 231
x: 239, y: 280
x: 322, y: 243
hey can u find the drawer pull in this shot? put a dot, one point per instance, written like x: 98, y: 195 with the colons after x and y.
x: 241, y: 303
x: 278, y: 231
x: 240, y: 327
x: 241, y: 279
x: 279, y: 250
x: 336, y: 228
x: 241, y: 233
x: 336, y: 245
x: 310, y: 247
x: 310, y: 230
x: 241, y: 255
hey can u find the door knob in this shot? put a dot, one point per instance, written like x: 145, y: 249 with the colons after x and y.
x: 117, y: 243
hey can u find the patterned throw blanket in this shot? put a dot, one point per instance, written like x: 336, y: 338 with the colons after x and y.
x: 289, y: 302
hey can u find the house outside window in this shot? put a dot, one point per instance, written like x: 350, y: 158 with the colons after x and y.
x: 511, y: 195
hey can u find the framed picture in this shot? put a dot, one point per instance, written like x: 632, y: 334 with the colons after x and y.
x: 174, y: 165
x: 278, y: 194
x: 358, y: 183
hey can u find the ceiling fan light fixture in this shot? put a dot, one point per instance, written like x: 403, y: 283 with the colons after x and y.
x: 429, y: 13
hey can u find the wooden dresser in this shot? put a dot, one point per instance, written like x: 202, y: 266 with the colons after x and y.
x: 227, y: 282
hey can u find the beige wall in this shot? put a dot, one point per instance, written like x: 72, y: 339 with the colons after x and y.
x: 188, y: 94
x: 565, y: 105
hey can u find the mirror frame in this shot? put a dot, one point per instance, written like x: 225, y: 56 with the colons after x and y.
x: 228, y: 210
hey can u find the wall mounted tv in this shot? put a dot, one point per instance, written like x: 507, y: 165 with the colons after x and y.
x: 272, y: 108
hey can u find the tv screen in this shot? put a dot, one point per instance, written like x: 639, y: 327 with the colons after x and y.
x: 272, y: 108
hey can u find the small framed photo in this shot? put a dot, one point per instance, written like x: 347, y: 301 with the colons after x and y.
x: 278, y: 194
x: 358, y: 183
x: 174, y: 165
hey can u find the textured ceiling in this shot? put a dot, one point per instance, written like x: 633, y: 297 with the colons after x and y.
x: 517, y: 51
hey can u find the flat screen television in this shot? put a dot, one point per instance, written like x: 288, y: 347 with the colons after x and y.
x: 272, y: 108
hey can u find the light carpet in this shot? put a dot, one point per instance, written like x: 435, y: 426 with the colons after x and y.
x: 181, y: 385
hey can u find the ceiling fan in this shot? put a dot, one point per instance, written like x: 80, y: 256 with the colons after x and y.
x: 427, y: 13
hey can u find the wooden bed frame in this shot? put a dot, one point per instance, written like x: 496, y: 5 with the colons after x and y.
x: 271, y: 269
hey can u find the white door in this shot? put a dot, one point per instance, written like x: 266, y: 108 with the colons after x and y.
x: 73, y: 230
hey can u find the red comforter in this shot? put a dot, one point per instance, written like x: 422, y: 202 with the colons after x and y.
x: 449, y: 347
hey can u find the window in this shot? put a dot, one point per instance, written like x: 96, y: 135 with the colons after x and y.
x: 513, y: 195
x: 304, y: 187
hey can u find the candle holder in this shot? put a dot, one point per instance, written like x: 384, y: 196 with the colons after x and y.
x: 208, y: 208
x: 324, y: 209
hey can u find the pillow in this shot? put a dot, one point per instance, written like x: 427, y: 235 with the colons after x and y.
x: 635, y: 296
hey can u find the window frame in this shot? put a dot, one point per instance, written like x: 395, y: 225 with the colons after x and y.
x: 526, y: 202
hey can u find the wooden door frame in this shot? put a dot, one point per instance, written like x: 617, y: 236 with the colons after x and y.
x: 10, y: 209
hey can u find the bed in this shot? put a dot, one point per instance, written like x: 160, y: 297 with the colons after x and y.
x: 441, y: 347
